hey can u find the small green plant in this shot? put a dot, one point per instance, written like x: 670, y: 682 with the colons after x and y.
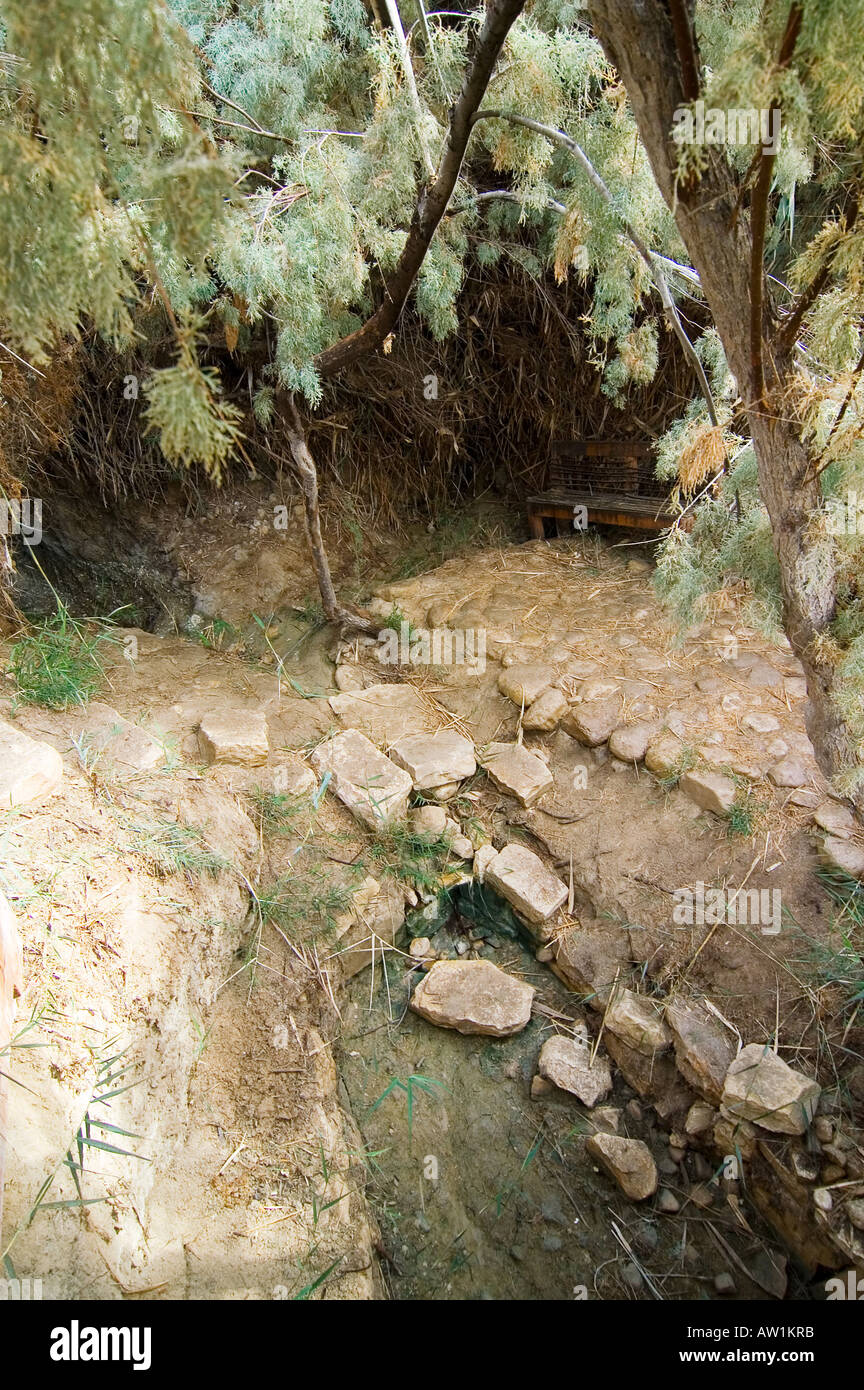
x: 841, y: 964
x: 277, y: 812
x: 685, y: 760
x: 58, y: 664
x: 305, y: 905
x: 741, y: 818
x: 216, y: 634
x: 411, y: 1087
x: 311, y: 612
x: 409, y: 857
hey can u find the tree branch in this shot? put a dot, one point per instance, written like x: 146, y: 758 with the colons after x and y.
x: 685, y: 46
x: 759, y: 224
x: 433, y: 200
x: 651, y: 261
x: 304, y: 466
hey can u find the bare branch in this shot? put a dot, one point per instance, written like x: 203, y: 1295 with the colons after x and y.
x: 434, y: 199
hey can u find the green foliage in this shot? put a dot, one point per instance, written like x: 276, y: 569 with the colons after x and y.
x: 193, y: 425
x: 730, y: 539
x: 408, y: 856
x: 840, y: 961
x: 306, y: 903
x: 58, y: 664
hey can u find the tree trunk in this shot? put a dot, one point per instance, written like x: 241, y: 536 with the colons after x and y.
x: 640, y: 39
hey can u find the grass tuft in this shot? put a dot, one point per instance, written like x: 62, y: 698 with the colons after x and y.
x: 58, y: 664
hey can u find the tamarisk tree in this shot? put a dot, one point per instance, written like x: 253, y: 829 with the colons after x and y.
x: 262, y: 192
x: 786, y: 345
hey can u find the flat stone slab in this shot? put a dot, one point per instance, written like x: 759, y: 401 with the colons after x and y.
x: 566, y: 1062
x: 704, y: 1050
x: 29, y: 769
x: 526, y: 681
x: 473, y: 996
x: 628, y: 1162
x: 534, y: 892
x: 435, y: 760
x: 637, y: 1021
x: 710, y: 790
x: 760, y: 1087
x: 513, y: 769
x: 234, y: 736
x: 373, y: 788
x: 384, y: 713
x: 369, y: 927
x: 119, y: 741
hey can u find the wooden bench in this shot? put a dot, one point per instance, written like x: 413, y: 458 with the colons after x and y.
x: 613, y: 480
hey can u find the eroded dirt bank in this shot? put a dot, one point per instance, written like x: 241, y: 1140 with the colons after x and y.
x: 191, y: 920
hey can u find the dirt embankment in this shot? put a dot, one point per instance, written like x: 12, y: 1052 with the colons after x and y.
x: 184, y: 982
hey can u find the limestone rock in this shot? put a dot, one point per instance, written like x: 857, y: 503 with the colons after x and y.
x: 663, y: 755
x: 522, y: 878
x: 546, y: 712
x: 844, y: 855
x: 473, y: 996
x: 760, y: 1087
x: 435, y: 760
x: 592, y: 723
x: 789, y: 772
x: 367, y: 782
x: 638, y: 1021
x: 428, y: 821
x: 764, y: 677
x: 759, y: 723
x: 628, y: 1161
x: 513, y: 769
x: 234, y: 736
x: 29, y: 769
x: 700, y: 1118
x: 567, y: 1063
x: 704, y: 1050
x: 288, y: 775
x: 835, y: 819
x: 710, y: 790
x: 653, y: 1076
x: 369, y: 927
x: 348, y: 678
x: 482, y: 859
x: 384, y: 713
x: 445, y: 792
x: 119, y: 741
x: 526, y: 682
x: 629, y: 742
x: 597, y: 688
x: 587, y: 962
x: 733, y: 1136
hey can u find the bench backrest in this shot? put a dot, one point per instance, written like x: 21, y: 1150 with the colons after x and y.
x: 604, y: 465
